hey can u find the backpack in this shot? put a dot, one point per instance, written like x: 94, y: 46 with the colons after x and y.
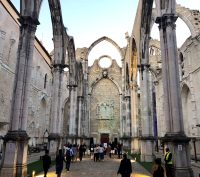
x: 69, y: 152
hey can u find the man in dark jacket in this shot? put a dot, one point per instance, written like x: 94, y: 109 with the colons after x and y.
x: 46, y: 159
x: 125, y: 168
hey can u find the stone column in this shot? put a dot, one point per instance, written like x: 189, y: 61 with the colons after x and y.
x: 146, y: 116
x: 16, y: 140
x: 175, y: 137
x: 128, y: 115
x: 88, y: 120
x: 134, y: 117
x: 56, y: 109
x: 80, y: 105
x: 73, y: 110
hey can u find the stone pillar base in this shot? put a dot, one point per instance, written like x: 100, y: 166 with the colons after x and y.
x: 54, y: 144
x: 183, y: 172
x: 126, y: 141
x: 179, y: 146
x: 147, y: 149
x: 8, y: 172
x: 15, y: 160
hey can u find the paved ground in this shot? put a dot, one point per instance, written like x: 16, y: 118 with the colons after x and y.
x: 106, y: 168
x: 196, y: 168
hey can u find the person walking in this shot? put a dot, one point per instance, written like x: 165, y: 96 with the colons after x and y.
x: 125, y: 168
x: 59, y: 163
x: 68, y: 155
x: 92, y: 151
x: 168, y: 163
x: 158, y: 170
x: 81, y: 150
x: 46, y: 160
x: 119, y: 150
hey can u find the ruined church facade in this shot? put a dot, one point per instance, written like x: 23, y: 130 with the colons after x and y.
x: 151, y: 99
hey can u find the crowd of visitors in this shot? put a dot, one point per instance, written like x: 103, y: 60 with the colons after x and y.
x: 73, y: 153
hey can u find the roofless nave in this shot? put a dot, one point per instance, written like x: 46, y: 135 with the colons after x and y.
x: 95, y: 104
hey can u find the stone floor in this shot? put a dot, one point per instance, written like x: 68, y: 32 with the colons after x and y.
x: 106, y: 168
x: 89, y: 168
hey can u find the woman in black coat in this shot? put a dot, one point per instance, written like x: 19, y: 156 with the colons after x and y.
x: 125, y: 168
x: 158, y: 170
x: 59, y: 163
x: 46, y: 159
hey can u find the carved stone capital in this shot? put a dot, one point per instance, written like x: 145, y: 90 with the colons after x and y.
x: 60, y: 66
x: 54, y: 136
x: 80, y: 98
x: 28, y: 22
x: 151, y: 138
x: 175, y: 138
x: 18, y: 135
x: 166, y: 21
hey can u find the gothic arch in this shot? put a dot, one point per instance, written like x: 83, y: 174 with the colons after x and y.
x: 65, y: 101
x: 190, y: 17
x: 116, y: 84
x: 59, y: 32
x: 104, y: 38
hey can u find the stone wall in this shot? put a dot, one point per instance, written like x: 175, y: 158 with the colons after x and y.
x: 41, y: 80
x: 190, y: 87
x: 105, y: 86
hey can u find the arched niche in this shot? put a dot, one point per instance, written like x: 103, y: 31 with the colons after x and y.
x: 187, y: 109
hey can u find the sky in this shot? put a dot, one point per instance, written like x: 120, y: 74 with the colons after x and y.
x: 89, y: 20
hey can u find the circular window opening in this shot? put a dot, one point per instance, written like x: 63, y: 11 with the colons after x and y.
x: 105, y: 62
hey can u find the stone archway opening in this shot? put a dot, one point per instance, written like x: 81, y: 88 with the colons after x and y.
x: 104, y: 48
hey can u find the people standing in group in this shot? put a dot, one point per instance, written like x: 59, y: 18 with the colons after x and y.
x: 59, y: 162
x: 168, y: 163
x: 46, y: 159
x: 125, y: 168
x: 158, y: 170
x: 68, y: 157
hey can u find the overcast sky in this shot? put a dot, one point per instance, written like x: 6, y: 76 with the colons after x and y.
x: 88, y: 20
